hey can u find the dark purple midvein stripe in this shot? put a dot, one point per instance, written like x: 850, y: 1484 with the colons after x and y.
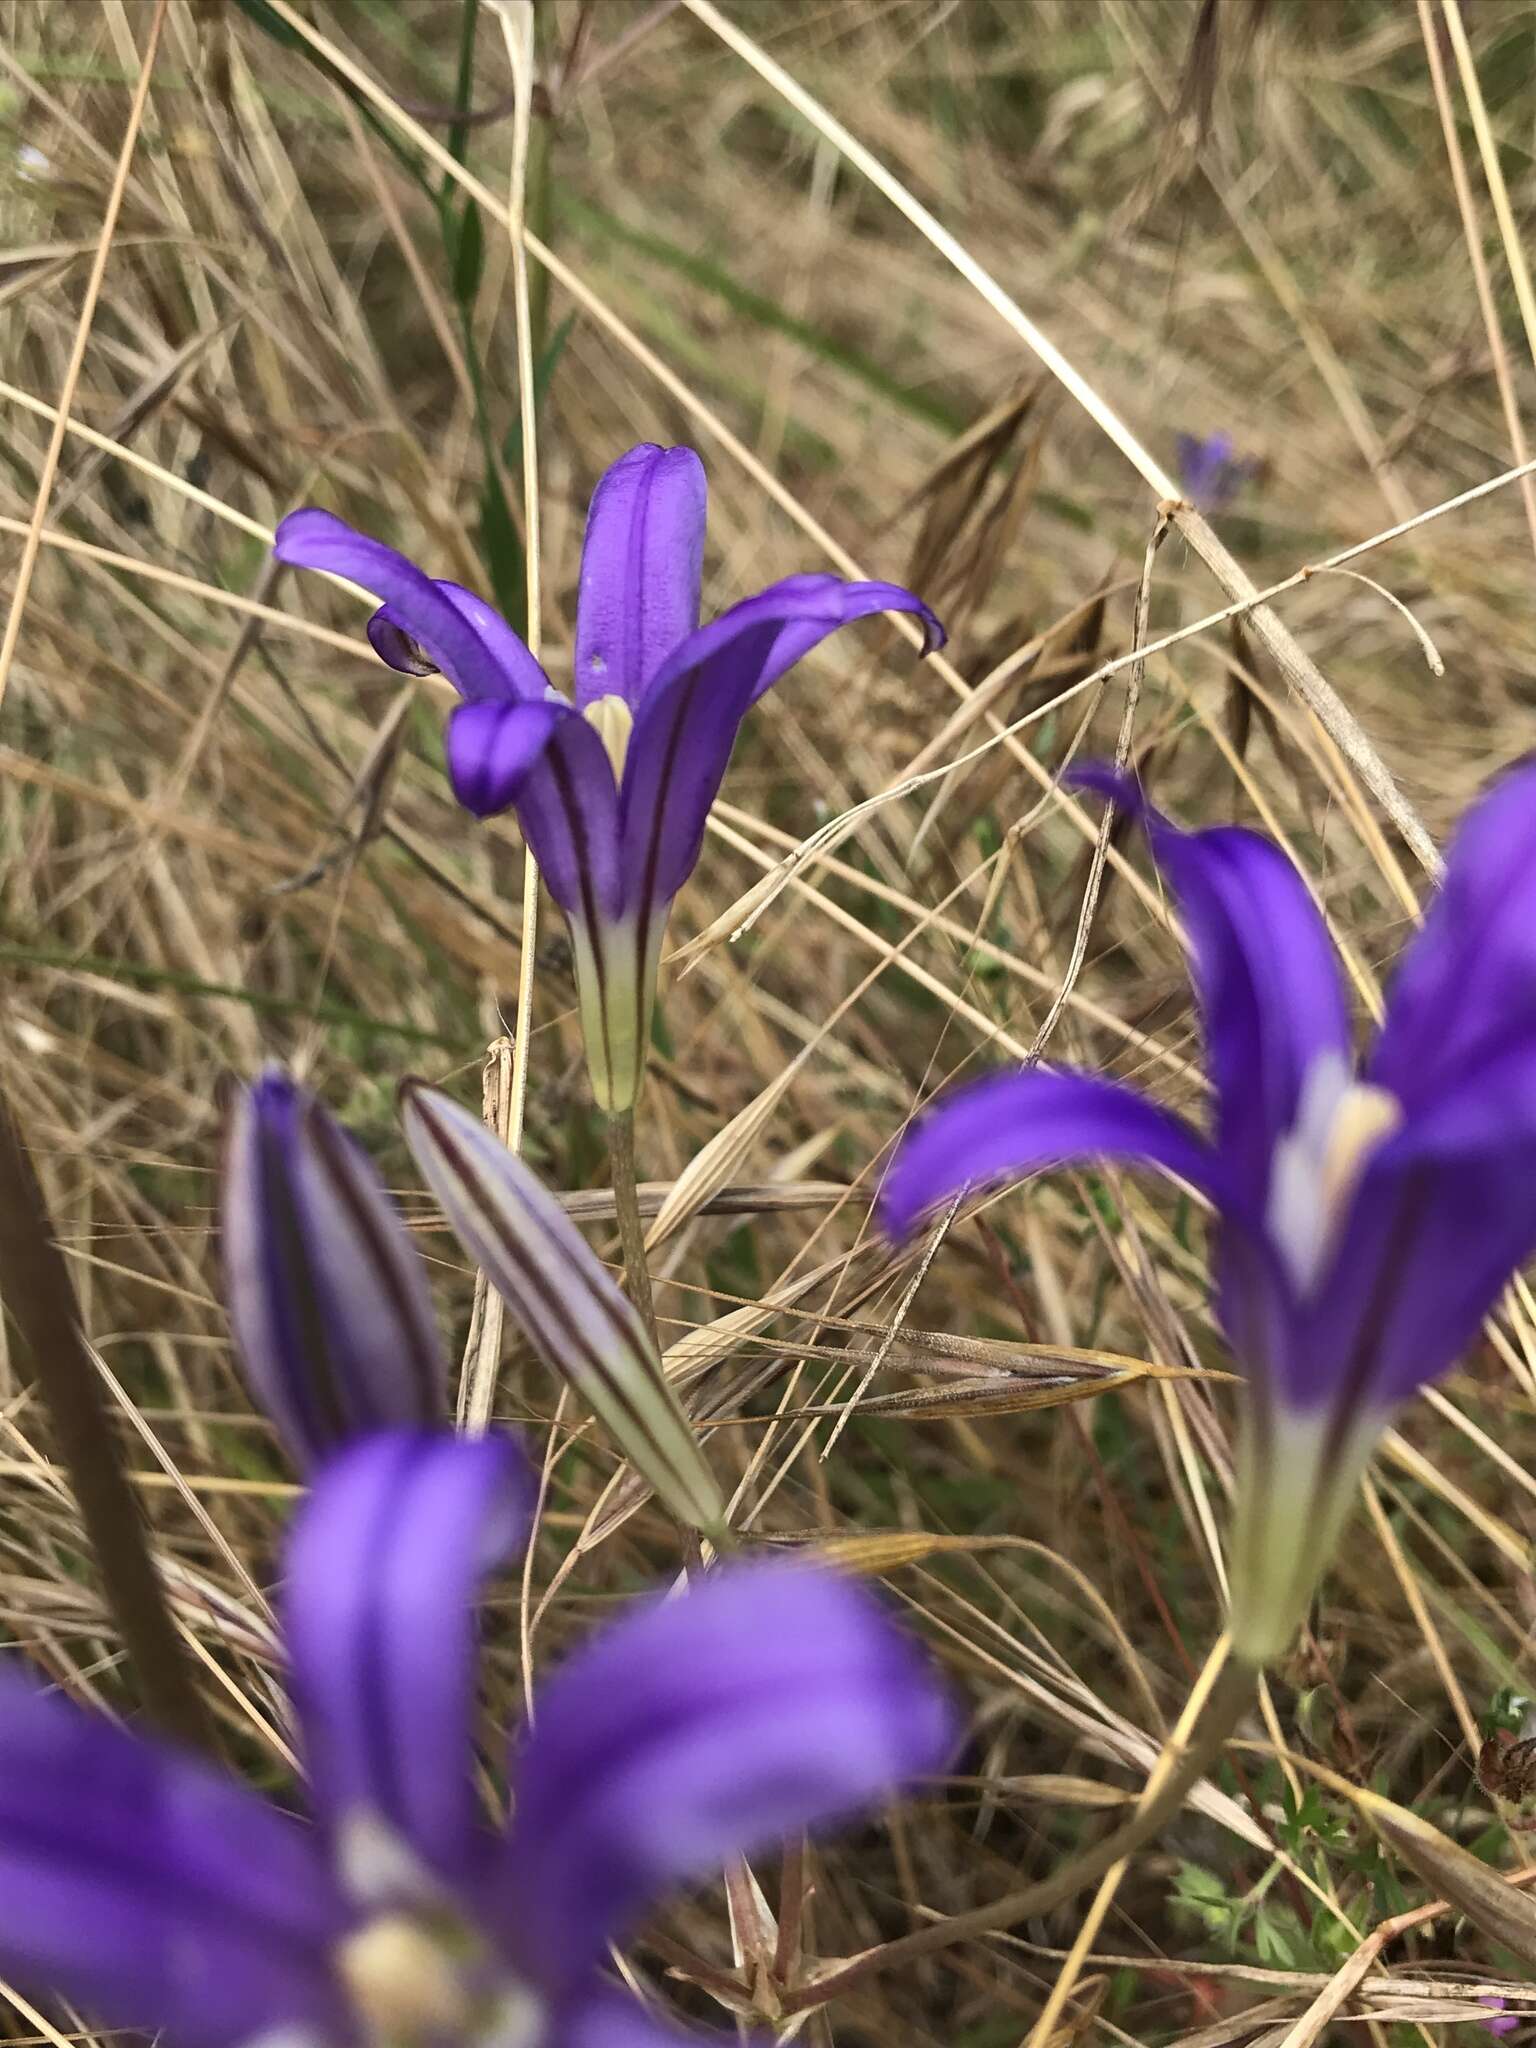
x: 302, y: 1353
x: 663, y: 779
x: 647, y: 900
x: 331, y: 1146
x: 1355, y: 1380
x: 557, y: 1313
x: 576, y: 829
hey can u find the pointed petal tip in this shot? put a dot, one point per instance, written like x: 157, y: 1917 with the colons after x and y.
x: 1116, y: 785
x: 934, y: 634
x: 301, y: 534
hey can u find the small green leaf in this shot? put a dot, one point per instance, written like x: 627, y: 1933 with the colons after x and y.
x: 467, y: 249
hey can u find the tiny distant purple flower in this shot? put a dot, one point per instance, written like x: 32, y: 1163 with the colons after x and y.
x: 612, y: 792
x: 1211, y: 471
x: 160, y: 1894
x: 326, y: 1293
x: 1368, y: 1217
x: 1501, y: 2021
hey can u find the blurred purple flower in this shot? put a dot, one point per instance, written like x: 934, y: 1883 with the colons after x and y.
x: 1210, y: 471
x: 613, y: 792
x: 1502, y: 2021
x: 160, y: 1893
x: 326, y: 1294
x: 1367, y: 1221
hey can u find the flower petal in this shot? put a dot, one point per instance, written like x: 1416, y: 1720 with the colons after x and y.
x: 767, y: 1698
x: 383, y: 1568
x: 393, y: 640
x: 1445, y: 1214
x: 1265, y: 971
x: 153, y: 1891
x: 471, y: 644
x: 1013, y: 1124
x: 326, y: 1294
x: 1470, y: 974
x: 548, y: 762
x: 640, y: 570
x: 562, y: 1297
x: 687, y: 725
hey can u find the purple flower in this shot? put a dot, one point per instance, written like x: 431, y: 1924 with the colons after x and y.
x: 1502, y: 2020
x: 1210, y: 471
x: 326, y: 1295
x: 1368, y: 1219
x: 613, y: 792
x: 158, y: 1892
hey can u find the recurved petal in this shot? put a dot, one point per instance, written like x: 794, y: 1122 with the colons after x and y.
x: 1470, y: 974
x: 393, y: 640
x: 564, y: 1301
x: 326, y: 1294
x: 1266, y: 974
x: 1019, y: 1123
x: 1444, y: 1216
x: 383, y: 1570
x: 767, y: 1698
x: 549, y: 763
x: 455, y: 635
x: 640, y: 569
x: 154, y: 1892
x: 687, y: 725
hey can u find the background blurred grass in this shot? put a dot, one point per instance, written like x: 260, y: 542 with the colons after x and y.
x: 226, y: 833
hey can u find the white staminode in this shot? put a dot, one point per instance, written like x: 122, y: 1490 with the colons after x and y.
x: 613, y: 722
x: 404, y: 1985
x: 416, y: 1972
x: 412, y: 1984
x: 1340, y: 1123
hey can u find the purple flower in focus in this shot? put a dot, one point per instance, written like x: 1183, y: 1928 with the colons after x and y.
x: 1210, y: 471
x: 613, y: 791
x: 157, y: 1892
x: 1368, y: 1218
x: 327, y: 1298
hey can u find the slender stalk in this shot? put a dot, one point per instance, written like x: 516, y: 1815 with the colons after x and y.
x: 626, y: 1198
x: 1229, y: 1697
x: 35, y: 1290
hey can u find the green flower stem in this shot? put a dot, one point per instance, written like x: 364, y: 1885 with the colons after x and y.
x: 626, y: 1199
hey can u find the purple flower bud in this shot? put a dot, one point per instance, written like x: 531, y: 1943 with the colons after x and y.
x: 561, y: 1295
x: 326, y: 1294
